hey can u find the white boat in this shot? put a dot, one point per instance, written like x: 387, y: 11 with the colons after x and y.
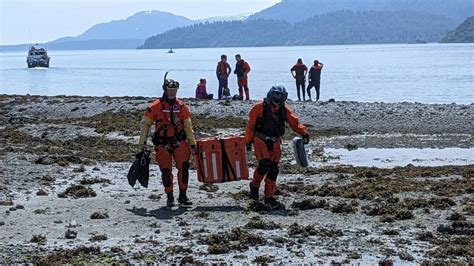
x: 37, y: 56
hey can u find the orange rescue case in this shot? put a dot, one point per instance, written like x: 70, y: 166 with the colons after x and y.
x: 222, y: 159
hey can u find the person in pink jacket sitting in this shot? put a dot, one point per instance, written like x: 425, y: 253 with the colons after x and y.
x: 201, y: 91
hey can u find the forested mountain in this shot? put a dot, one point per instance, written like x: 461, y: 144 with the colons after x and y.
x: 299, y: 10
x: 340, y: 27
x: 464, y: 33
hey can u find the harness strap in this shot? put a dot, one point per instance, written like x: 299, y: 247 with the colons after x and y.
x: 264, y: 137
x: 226, y: 165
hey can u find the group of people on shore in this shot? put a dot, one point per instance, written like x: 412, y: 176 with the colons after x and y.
x: 174, y: 138
x: 242, y: 68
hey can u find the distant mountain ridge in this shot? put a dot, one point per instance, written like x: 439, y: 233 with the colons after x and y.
x: 430, y: 19
x: 300, y: 10
x: 122, y: 34
x: 138, y: 26
x: 464, y: 33
x: 340, y: 27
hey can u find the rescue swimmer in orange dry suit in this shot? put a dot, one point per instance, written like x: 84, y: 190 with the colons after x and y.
x: 265, y: 128
x: 173, y: 138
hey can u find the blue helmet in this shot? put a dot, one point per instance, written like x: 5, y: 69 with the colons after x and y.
x: 277, y: 94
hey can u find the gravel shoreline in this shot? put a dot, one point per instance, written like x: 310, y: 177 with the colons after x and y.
x: 52, y: 145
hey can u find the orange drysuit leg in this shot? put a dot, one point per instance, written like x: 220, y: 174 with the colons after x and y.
x: 164, y: 159
x: 267, y: 165
x: 247, y: 94
x: 181, y: 157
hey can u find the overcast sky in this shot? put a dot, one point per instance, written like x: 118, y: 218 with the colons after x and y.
x: 47, y: 20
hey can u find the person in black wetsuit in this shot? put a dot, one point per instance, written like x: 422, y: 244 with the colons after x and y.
x: 300, y: 70
x: 314, y: 78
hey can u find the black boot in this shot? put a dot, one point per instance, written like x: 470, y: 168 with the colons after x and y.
x: 253, y: 192
x: 274, y: 203
x: 170, y: 200
x: 183, y: 199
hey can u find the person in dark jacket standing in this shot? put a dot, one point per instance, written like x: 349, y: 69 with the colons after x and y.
x: 223, y: 71
x: 300, y: 70
x: 242, y: 69
x: 314, y: 78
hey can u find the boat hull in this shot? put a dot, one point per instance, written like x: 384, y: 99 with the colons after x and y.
x: 34, y: 64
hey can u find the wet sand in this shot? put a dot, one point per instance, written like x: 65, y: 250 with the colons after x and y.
x: 64, y: 195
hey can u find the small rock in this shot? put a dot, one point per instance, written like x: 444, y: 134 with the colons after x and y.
x: 20, y: 207
x: 70, y: 234
x: 404, y: 255
x: 351, y: 147
x: 126, y: 202
x: 2, y: 223
x: 41, y: 193
x: 445, y: 229
x: 456, y: 217
x: 99, y: 215
x: 58, y: 222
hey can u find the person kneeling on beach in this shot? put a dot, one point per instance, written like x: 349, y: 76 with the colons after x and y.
x: 265, y: 128
x: 173, y: 138
x: 201, y: 91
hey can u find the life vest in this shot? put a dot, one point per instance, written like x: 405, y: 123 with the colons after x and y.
x: 168, y: 127
x: 271, y: 124
x: 201, y: 92
x: 223, y: 67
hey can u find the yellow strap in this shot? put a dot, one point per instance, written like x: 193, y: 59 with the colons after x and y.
x: 188, y: 129
x: 145, y: 129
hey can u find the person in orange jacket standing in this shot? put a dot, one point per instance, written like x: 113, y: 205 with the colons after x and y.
x: 242, y: 70
x: 265, y: 128
x: 173, y: 138
x: 223, y: 71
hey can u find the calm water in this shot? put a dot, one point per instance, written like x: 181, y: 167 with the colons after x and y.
x: 431, y: 73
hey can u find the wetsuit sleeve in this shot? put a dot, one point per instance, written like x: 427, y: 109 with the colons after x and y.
x: 188, y: 126
x: 145, y: 125
x: 294, y: 123
x: 253, y: 116
x: 217, y: 70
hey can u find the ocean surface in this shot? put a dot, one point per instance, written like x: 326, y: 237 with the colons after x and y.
x: 426, y: 73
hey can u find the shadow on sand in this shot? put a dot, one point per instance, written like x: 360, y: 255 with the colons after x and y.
x: 165, y: 213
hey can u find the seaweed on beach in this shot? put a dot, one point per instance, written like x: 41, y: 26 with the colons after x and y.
x: 95, y: 180
x: 257, y: 222
x: 237, y: 239
x: 78, y: 191
x: 309, y: 204
x: 68, y: 256
x: 368, y: 189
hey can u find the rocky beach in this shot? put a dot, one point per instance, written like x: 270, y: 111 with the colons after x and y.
x: 64, y: 196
